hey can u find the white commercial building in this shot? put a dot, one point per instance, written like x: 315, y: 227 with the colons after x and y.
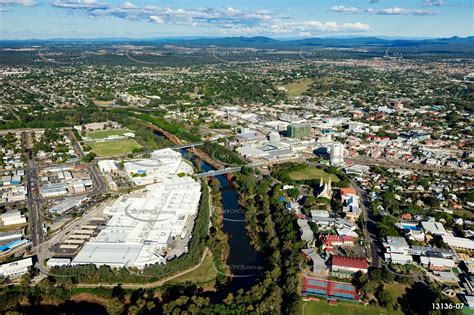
x: 13, y: 218
x: 16, y: 268
x: 107, y: 166
x: 58, y: 262
x: 336, y: 154
x: 163, y: 163
x: 141, y: 227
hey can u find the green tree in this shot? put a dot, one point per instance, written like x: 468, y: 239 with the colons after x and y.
x: 114, y: 306
x: 383, y: 296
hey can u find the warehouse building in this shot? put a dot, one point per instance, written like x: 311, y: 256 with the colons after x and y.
x: 12, y: 218
x: 142, y: 226
x: 16, y: 268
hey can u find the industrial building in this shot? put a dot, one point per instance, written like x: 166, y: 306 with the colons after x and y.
x: 58, y: 262
x: 108, y: 166
x: 12, y: 218
x: 162, y: 163
x: 16, y: 268
x: 142, y: 227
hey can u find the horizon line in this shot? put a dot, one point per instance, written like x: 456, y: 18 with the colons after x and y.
x: 289, y: 38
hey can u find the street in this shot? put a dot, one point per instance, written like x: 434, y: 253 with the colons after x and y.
x: 35, y: 220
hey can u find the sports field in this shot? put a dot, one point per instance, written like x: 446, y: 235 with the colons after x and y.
x: 102, y: 134
x: 312, y: 173
x: 115, y: 147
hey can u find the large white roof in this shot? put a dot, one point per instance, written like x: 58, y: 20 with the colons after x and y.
x: 142, y: 225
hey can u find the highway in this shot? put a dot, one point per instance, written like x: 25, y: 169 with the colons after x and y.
x: 34, y: 199
x: 35, y: 220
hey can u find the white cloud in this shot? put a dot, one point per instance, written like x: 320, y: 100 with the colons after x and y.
x: 433, y: 3
x: 24, y: 3
x: 80, y: 4
x: 386, y: 11
x: 343, y: 9
x: 402, y: 11
x: 128, y: 5
x: 228, y: 20
x: 156, y: 19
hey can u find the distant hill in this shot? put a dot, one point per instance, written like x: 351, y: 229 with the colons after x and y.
x: 451, y: 44
x: 441, y: 45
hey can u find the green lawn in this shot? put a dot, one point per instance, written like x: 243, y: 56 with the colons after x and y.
x: 205, y: 274
x: 346, y: 308
x: 102, y: 134
x: 312, y: 173
x: 396, y: 289
x: 297, y: 87
x: 115, y: 147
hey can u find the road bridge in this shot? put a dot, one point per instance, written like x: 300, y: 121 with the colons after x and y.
x: 228, y: 170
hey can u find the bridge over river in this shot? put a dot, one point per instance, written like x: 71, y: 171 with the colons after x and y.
x: 227, y: 170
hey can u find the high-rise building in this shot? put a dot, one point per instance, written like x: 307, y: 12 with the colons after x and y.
x: 337, y: 154
x: 274, y: 136
x: 298, y: 131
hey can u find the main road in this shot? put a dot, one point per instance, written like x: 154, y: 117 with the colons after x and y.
x: 35, y: 220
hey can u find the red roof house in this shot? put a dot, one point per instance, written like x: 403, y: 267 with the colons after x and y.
x: 331, y: 240
x: 348, y: 191
x: 349, y: 264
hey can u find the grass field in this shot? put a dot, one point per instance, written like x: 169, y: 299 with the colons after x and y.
x: 203, y: 275
x: 312, y: 173
x: 346, y: 308
x: 396, y: 289
x: 102, y: 134
x: 297, y: 87
x: 115, y: 147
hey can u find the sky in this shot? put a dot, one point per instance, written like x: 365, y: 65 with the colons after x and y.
x: 42, y: 19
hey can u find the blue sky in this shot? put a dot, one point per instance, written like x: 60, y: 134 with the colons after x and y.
x: 24, y: 19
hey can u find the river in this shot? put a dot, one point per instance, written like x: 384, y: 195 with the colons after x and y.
x: 244, y: 261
